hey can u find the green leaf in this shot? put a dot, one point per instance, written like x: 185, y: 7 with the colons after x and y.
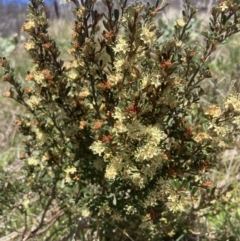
x: 180, y: 238
x: 224, y: 19
x: 116, y: 14
x: 114, y: 200
x: 108, y: 50
x: 107, y: 25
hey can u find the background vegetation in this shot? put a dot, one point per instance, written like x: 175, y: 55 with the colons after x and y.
x: 222, y: 220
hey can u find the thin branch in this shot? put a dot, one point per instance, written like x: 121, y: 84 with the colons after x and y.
x: 26, y: 224
x: 124, y: 232
x: 50, y: 223
x: 80, y: 226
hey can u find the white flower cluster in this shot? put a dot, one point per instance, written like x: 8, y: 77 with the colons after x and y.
x: 148, y: 36
x: 152, y: 78
x: 122, y: 45
x: 152, y: 136
x: 69, y: 170
x: 233, y: 101
x: 97, y: 147
x: 30, y: 45
x: 32, y: 161
x: 118, y: 114
x: 113, y: 168
x: 33, y: 101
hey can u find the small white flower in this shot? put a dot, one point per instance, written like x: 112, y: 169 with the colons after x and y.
x: 223, y: 6
x: 214, y: 111
x: 85, y: 213
x: 33, y: 101
x: 111, y: 172
x: 73, y: 74
x: 118, y: 114
x: 181, y: 23
x: 32, y: 161
x: 115, y: 78
x: 234, y: 102
x: 97, y: 147
x: 84, y: 93
x: 29, y: 25
x: 26, y: 203
x: 121, y: 64
x: 122, y: 45
x: 29, y: 45
x: 70, y: 170
x: 147, y: 36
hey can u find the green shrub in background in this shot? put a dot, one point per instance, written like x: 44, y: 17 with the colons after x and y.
x: 7, y: 45
x: 117, y: 144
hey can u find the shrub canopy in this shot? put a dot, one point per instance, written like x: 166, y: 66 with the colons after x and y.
x: 116, y: 141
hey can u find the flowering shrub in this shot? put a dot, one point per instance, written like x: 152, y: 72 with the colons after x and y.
x: 116, y: 142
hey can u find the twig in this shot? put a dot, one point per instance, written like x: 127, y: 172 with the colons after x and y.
x: 124, y: 232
